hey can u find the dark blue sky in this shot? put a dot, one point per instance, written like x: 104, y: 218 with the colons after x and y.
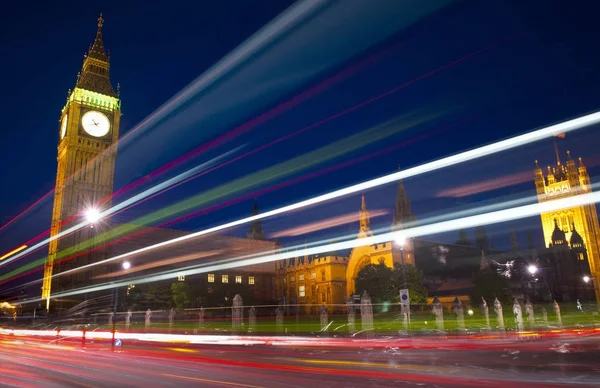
x: 540, y: 68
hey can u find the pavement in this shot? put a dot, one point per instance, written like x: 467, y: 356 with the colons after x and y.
x: 569, y: 360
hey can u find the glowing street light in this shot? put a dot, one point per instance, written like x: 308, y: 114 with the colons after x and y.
x: 532, y: 269
x: 400, y: 239
x: 586, y: 279
x: 126, y: 265
x: 92, y: 215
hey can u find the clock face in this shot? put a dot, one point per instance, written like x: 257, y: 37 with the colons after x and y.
x: 95, y: 123
x: 63, y: 127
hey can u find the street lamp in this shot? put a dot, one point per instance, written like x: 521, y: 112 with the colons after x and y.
x: 532, y: 269
x: 586, y: 279
x: 92, y: 215
x: 125, y: 265
x: 400, y: 239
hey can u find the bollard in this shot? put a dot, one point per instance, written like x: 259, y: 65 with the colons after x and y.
x: 112, y: 343
x: 83, y: 338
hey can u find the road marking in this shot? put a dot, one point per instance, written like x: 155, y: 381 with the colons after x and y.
x: 394, y: 365
x: 184, y: 350
x: 214, y: 381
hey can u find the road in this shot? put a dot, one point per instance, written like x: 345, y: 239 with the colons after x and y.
x: 30, y: 362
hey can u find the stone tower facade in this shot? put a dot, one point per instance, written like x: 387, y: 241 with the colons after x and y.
x: 87, y: 136
x: 566, y: 180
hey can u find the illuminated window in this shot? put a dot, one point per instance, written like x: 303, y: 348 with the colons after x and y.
x: 181, y: 278
x: 313, y: 275
x: 292, y: 279
x: 250, y: 279
x: 224, y: 278
x: 300, y: 277
x: 211, y: 278
x: 301, y: 291
x: 238, y: 279
x: 323, y: 276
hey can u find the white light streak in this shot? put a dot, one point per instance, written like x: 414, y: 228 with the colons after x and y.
x: 92, y: 215
x: 440, y: 227
x: 487, y: 150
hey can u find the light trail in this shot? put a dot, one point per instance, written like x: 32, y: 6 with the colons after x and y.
x: 503, y: 145
x: 300, y: 96
x: 135, y: 198
x: 290, y: 166
x: 440, y: 227
x: 20, y: 271
x: 325, y: 224
x: 16, y: 250
x: 430, y: 220
x: 274, y: 30
x: 328, y: 16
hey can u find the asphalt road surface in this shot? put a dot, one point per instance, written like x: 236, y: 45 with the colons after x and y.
x: 30, y: 362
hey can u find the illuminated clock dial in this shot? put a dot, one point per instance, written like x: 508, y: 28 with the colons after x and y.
x: 95, y: 123
x: 63, y: 127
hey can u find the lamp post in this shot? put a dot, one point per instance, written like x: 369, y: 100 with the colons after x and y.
x: 589, y: 280
x: 92, y: 216
x: 401, y: 241
x: 125, y: 265
x: 532, y: 269
x: 405, y: 308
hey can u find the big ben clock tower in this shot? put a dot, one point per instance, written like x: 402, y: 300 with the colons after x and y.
x: 87, y: 137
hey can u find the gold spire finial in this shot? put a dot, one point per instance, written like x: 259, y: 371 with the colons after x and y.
x: 537, y: 164
x: 100, y: 21
x: 556, y: 152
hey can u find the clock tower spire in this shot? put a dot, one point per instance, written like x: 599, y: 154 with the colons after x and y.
x: 88, y: 133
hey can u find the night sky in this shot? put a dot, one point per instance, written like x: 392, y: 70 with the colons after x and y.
x: 539, y: 67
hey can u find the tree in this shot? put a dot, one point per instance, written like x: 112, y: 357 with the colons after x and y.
x: 151, y: 295
x: 181, y: 293
x: 481, y: 239
x: 383, y: 283
x: 490, y: 285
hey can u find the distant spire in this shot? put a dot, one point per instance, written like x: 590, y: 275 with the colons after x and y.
x: 556, y: 152
x: 481, y: 239
x: 256, y: 231
x: 365, y: 219
x: 530, y: 242
x: 484, y: 265
x: 403, y: 213
x: 514, y: 243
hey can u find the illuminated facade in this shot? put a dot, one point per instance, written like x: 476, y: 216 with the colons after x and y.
x: 578, y: 223
x: 89, y: 126
x: 330, y: 279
